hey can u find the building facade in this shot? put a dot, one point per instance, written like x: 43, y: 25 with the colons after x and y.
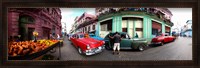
x: 23, y: 21
x: 187, y: 29
x: 64, y: 28
x: 145, y: 22
x: 85, y: 23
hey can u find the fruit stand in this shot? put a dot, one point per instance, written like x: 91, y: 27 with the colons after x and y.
x: 31, y: 50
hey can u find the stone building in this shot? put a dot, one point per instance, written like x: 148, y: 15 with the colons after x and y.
x: 146, y: 22
x: 85, y: 23
x: 23, y: 21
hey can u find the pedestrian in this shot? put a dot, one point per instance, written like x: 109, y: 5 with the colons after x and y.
x: 136, y: 36
x: 117, y: 39
x: 51, y: 36
x: 58, y: 37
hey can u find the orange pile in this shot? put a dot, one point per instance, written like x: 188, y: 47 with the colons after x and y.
x: 27, y: 47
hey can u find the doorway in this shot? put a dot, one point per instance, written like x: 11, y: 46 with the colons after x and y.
x: 30, y: 33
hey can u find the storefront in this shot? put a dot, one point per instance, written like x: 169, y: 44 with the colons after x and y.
x: 156, y: 28
x: 167, y: 30
x: 137, y: 26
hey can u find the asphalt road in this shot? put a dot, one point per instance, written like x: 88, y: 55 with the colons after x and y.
x: 180, y: 49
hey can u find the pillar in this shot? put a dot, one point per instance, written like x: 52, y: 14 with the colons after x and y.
x: 163, y: 27
x: 97, y: 32
x: 116, y: 23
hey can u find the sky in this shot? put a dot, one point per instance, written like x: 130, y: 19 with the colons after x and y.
x: 179, y: 18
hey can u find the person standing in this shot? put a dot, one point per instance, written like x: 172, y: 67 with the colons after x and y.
x: 58, y: 37
x: 117, y: 39
x: 51, y: 36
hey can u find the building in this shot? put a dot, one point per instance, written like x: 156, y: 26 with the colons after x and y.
x: 85, y: 23
x: 74, y: 26
x: 146, y: 22
x: 189, y: 24
x: 23, y: 21
x: 187, y: 29
x: 64, y: 28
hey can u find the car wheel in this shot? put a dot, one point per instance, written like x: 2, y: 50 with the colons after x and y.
x: 80, y: 50
x: 161, y: 44
x: 173, y: 40
x: 141, y: 48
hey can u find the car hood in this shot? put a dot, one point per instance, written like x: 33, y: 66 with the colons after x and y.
x: 90, y: 41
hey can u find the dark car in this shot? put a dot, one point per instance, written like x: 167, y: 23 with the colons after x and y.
x: 126, y: 42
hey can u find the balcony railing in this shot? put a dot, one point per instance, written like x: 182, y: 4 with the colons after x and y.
x: 149, y: 11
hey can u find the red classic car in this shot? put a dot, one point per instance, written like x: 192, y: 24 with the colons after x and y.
x: 162, y: 38
x: 87, y: 45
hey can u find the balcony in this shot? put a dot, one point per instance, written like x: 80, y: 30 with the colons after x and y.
x: 109, y: 12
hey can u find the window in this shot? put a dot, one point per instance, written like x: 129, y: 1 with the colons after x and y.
x: 124, y: 25
x: 103, y: 27
x: 88, y: 28
x: 85, y: 29
x: 93, y: 27
x: 26, y: 19
x: 105, y: 24
x: 81, y: 36
x: 125, y: 36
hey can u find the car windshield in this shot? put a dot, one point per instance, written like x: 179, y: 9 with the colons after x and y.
x: 81, y: 36
x: 92, y: 35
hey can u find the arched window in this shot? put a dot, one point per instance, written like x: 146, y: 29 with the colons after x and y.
x: 26, y: 19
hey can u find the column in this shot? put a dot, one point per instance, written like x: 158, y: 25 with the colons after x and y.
x: 170, y: 30
x: 163, y: 27
x: 98, y: 29
x: 120, y: 23
x: 134, y: 29
x: 145, y: 26
x: 114, y: 24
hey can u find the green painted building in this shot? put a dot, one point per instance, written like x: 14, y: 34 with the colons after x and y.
x: 138, y: 24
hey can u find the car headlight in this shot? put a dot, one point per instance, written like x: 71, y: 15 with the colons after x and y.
x: 88, y: 46
x: 103, y: 42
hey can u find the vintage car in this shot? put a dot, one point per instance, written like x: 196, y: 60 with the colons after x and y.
x: 69, y: 36
x: 95, y: 37
x: 161, y: 39
x: 87, y: 46
x: 126, y: 42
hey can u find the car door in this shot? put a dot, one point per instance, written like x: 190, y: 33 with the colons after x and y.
x: 72, y: 38
x: 125, y: 42
x: 75, y: 40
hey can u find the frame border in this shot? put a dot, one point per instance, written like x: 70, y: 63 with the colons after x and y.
x: 193, y: 5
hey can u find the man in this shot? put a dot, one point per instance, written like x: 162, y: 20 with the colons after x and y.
x: 117, y: 39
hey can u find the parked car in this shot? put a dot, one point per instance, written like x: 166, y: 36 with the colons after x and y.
x: 96, y: 37
x: 161, y: 39
x: 87, y: 46
x: 69, y: 36
x: 126, y: 42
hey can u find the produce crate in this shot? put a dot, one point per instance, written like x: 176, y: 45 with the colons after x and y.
x: 34, y: 55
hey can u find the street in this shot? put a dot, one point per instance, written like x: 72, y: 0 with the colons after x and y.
x: 180, y: 49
